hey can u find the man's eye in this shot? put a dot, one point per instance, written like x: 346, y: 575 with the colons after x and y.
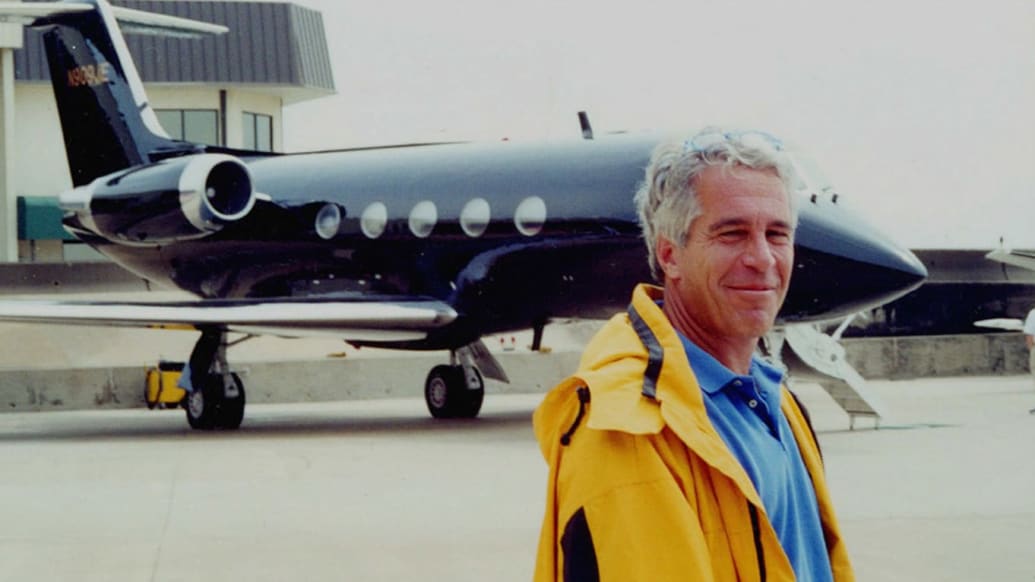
x: 779, y: 236
x: 731, y: 235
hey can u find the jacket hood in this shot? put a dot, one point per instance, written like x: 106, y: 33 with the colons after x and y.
x: 616, y: 367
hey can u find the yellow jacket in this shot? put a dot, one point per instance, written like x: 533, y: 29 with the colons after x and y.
x: 648, y: 478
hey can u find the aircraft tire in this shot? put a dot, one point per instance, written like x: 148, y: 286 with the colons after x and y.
x: 469, y: 401
x: 202, y: 404
x: 440, y: 390
x: 209, y: 409
x: 447, y: 395
x: 230, y: 411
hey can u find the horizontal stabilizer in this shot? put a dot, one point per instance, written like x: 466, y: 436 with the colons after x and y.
x: 132, y: 21
x: 350, y: 320
x: 141, y: 22
x: 26, y: 13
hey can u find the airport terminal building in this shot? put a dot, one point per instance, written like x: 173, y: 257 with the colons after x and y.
x: 227, y: 90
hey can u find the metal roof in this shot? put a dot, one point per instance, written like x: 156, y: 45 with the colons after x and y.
x: 278, y: 47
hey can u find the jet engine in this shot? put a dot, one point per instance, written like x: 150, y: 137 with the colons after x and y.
x: 175, y: 199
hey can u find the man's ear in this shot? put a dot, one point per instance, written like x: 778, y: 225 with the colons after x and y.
x: 667, y: 254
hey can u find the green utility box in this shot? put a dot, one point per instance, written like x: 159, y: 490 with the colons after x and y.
x: 39, y: 218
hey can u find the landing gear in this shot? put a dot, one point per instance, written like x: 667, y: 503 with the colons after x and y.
x: 452, y: 393
x: 208, y: 406
x: 457, y: 390
x: 216, y: 397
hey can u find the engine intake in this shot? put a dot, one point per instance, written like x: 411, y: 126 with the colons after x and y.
x: 176, y: 199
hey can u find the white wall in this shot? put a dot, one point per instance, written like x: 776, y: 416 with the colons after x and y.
x: 190, y: 97
x: 40, y: 162
x: 42, y: 169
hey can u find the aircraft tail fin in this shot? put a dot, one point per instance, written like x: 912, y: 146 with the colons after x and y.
x: 107, y: 122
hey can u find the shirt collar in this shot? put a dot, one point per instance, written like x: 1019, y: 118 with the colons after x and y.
x: 712, y: 376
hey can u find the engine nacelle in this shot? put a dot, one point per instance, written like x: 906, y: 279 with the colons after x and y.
x: 176, y: 199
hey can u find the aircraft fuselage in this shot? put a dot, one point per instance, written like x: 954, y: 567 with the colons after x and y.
x: 509, y: 234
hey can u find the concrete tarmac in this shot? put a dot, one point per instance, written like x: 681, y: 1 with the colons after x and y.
x: 375, y: 490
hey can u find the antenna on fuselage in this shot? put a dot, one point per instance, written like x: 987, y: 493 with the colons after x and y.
x: 587, y: 129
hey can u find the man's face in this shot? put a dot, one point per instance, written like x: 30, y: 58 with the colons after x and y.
x: 732, y: 276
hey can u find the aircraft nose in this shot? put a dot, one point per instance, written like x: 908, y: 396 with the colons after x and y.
x: 843, y: 265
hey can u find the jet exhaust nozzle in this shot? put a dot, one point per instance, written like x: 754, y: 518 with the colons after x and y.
x: 176, y: 199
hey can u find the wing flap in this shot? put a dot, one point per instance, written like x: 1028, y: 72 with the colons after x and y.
x: 368, y: 320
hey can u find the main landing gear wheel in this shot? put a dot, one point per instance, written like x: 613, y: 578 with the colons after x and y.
x: 208, y: 407
x: 448, y: 394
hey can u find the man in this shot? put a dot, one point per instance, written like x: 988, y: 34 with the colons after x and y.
x: 1029, y: 340
x: 675, y: 452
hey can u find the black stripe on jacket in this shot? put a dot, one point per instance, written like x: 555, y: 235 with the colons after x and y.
x: 655, y: 354
x: 580, y: 559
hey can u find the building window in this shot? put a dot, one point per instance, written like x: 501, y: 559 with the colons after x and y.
x: 258, y: 132
x: 195, y: 125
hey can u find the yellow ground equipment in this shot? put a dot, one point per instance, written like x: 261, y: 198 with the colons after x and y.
x: 162, y: 390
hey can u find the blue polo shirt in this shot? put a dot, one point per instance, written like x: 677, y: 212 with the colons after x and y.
x: 745, y: 411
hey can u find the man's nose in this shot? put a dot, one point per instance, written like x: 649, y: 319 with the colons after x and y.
x: 759, y: 253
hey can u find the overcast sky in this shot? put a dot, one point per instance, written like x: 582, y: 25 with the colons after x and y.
x: 921, y: 113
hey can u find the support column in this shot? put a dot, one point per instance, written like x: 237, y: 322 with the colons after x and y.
x: 10, y: 39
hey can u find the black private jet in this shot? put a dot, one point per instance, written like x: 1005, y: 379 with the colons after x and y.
x: 419, y: 247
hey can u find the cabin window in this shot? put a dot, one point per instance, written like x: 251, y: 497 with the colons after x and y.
x: 475, y: 216
x: 194, y: 125
x: 423, y: 218
x: 374, y: 220
x: 258, y: 132
x: 530, y: 216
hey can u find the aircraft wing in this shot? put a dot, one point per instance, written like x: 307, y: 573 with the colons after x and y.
x: 1022, y: 259
x: 356, y: 319
x: 1005, y: 323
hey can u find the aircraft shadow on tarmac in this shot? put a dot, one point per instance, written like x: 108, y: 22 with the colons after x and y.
x: 281, y: 421
x: 120, y: 425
